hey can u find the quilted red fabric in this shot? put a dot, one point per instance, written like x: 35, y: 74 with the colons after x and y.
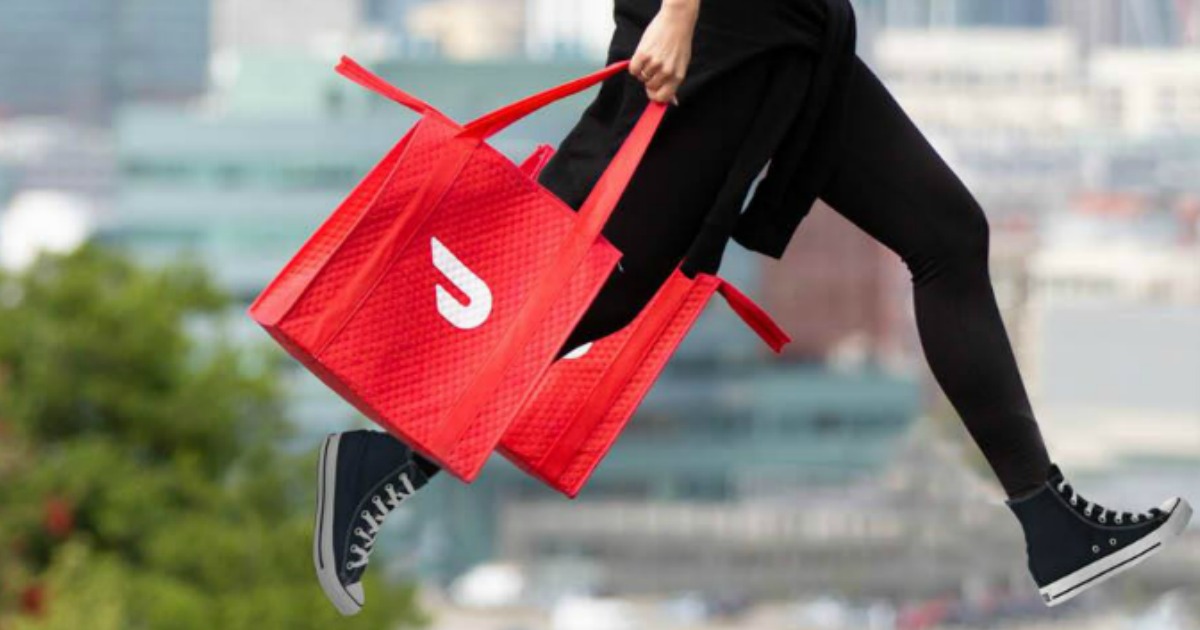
x: 585, y: 400
x: 436, y: 295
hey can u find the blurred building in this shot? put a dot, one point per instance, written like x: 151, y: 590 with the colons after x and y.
x: 79, y: 58
x: 1144, y: 92
x: 840, y: 294
x: 990, y: 81
x: 957, y: 13
x: 470, y: 30
x: 568, y: 28
x: 291, y: 26
x: 912, y: 523
x: 1133, y: 23
x: 1003, y: 107
x: 1027, y: 120
x: 1148, y: 23
x: 391, y: 17
x: 57, y: 154
x: 1111, y: 353
x: 711, y: 441
x: 243, y: 180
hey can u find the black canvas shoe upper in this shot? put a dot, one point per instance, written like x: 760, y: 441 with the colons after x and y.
x: 375, y: 474
x: 1065, y: 532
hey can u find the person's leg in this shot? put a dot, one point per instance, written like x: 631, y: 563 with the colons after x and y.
x: 891, y: 183
x: 669, y: 196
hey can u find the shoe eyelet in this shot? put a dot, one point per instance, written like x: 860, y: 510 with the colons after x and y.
x: 349, y: 567
x: 1074, y: 502
x: 1095, y: 548
x: 1112, y: 542
x: 1103, y: 520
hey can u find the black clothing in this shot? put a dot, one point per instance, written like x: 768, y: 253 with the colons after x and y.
x: 664, y: 207
x: 797, y: 121
x: 885, y: 178
x: 892, y: 184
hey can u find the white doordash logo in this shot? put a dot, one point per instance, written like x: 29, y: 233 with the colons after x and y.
x: 479, y: 296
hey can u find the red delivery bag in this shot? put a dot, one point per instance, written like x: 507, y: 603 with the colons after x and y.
x: 585, y: 399
x: 437, y: 294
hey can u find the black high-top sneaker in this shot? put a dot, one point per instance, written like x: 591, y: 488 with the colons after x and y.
x: 362, y: 477
x: 1074, y: 544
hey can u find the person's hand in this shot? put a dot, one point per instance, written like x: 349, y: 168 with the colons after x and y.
x: 663, y: 54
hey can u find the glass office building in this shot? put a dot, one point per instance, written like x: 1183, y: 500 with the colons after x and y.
x: 81, y: 58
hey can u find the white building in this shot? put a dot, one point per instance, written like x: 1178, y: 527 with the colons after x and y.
x: 1111, y: 350
x: 568, y: 28
x: 288, y: 26
x: 1002, y: 106
x: 1146, y: 91
x: 994, y: 81
x: 470, y: 30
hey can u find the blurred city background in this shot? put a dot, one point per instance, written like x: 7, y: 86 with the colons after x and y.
x: 156, y: 450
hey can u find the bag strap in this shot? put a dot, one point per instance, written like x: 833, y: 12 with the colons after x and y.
x: 350, y: 69
x: 754, y: 315
x: 533, y: 165
x: 490, y: 124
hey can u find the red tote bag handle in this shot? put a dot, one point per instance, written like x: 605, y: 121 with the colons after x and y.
x: 604, y: 196
x: 491, y: 124
x: 754, y: 316
x: 533, y: 165
x: 350, y: 69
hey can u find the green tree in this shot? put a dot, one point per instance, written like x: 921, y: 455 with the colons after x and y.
x: 142, y: 482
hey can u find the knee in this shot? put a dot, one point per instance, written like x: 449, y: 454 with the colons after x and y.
x: 972, y: 232
x: 959, y: 241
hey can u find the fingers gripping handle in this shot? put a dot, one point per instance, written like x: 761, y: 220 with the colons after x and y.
x: 350, y: 69
x: 490, y: 124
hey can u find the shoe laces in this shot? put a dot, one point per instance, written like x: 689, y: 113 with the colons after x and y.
x: 384, y: 502
x: 1118, y: 518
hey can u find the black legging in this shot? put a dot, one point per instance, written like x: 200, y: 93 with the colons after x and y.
x: 891, y: 184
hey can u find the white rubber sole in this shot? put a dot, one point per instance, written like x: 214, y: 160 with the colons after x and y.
x: 1098, y: 572
x: 347, y: 599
